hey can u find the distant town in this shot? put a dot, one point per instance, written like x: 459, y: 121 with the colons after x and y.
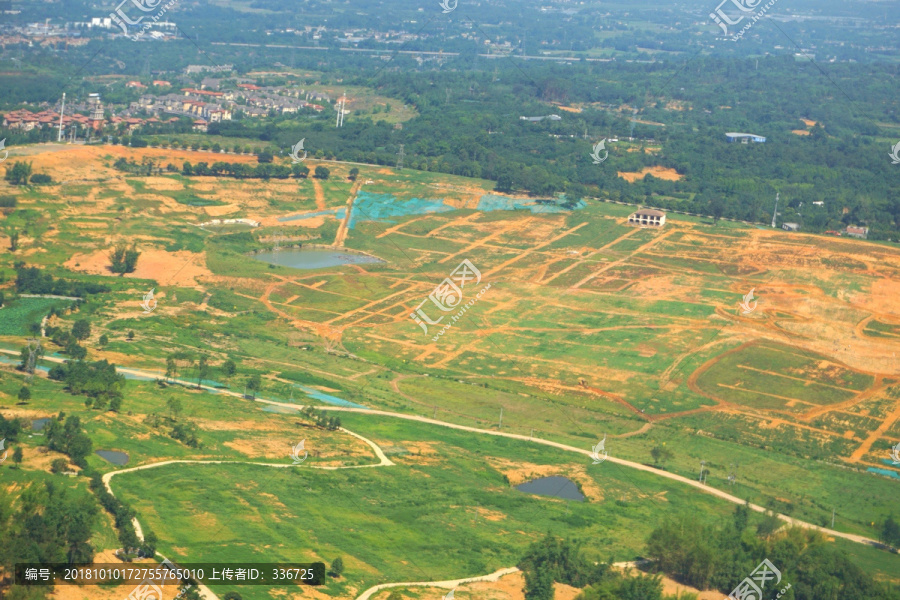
x: 214, y: 101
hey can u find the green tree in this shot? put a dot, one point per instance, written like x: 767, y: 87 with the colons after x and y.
x: 337, y: 567
x: 265, y: 156
x: 229, y: 368
x: 18, y: 173
x: 24, y: 393
x: 504, y: 184
x: 115, y: 404
x: 890, y: 532
x: 14, y: 241
x: 538, y: 584
x: 232, y: 596
x: 130, y: 335
x: 104, y: 339
x: 717, y: 209
x: 131, y: 258
x: 148, y: 547
x: 174, y: 406
x: 58, y: 465
x: 660, y: 454
x: 81, y: 329
x: 202, y: 369
x: 354, y: 173
x: 254, y: 384
x: 17, y: 455
x: 171, y: 368
x: 322, y: 173
x: 300, y: 170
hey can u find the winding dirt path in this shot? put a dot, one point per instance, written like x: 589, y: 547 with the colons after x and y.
x: 619, y: 461
x: 447, y: 585
x: 204, y: 591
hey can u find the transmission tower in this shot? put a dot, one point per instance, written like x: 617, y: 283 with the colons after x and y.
x: 400, y: 157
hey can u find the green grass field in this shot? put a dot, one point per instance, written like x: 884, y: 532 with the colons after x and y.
x: 590, y: 328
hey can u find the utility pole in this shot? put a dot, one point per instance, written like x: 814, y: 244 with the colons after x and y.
x: 435, y: 413
x: 62, y: 111
x: 702, y: 465
x: 775, y: 213
x: 532, y: 434
x: 832, y: 518
x: 499, y: 425
x: 400, y: 158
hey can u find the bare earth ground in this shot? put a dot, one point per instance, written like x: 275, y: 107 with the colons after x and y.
x: 666, y: 173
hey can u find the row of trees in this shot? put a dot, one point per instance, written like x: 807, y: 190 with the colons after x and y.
x: 31, y: 280
x: 260, y: 171
x: 97, y: 380
x: 321, y: 419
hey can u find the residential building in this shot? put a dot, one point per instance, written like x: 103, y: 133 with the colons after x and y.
x: 857, y: 232
x: 745, y: 138
x: 647, y: 217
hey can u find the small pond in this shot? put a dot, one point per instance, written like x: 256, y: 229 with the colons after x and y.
x: 314, y: 259
x: 113, y: 456
x: 556, y: 487
x: 39, y: 424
